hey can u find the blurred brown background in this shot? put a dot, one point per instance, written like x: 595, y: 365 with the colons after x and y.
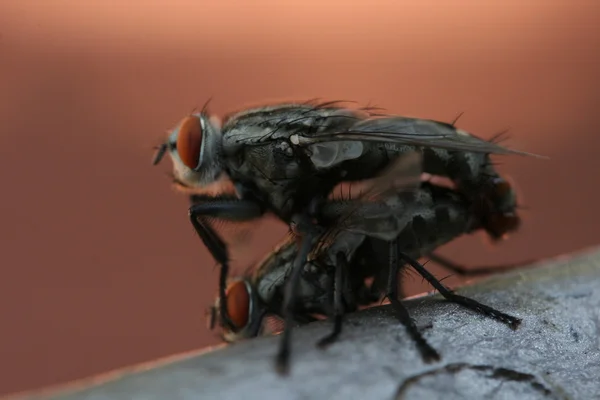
x: 100, y: 267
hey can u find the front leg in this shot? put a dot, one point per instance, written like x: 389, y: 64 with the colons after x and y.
x: 228, y: 208
x: 308, y: 233
x: 341, y: 267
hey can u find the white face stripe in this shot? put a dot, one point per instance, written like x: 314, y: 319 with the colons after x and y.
x: 203, y: 144
x: 173, y: 135
x: 172, y: 145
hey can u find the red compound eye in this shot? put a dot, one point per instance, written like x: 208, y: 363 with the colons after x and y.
x: 238, y: 303
x: 189, y: 141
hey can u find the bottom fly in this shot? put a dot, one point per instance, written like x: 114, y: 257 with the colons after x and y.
x: 333, y: 282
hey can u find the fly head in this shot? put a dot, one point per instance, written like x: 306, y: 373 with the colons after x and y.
x: 243, y: 309
x: 194, y: 146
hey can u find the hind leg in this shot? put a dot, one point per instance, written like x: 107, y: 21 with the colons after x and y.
x: 512, y: 322
x: 428, y: 353
x: 461, y: 270
x: 341, y: 267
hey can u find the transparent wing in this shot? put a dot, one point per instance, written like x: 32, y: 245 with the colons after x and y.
x: 401, y: 177
x: 382, y: 208
x: 411, y: 131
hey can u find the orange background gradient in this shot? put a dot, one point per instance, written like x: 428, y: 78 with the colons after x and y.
x: 100, y: 266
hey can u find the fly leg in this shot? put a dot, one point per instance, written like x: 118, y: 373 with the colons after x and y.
x: 471, y: 304
x: 341, y: 266
x: 428, y: 353
x: 229, y: 208
x: 308, y: 236
x: 461, y: 270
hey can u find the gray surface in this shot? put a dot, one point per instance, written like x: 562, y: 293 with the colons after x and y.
x: 555, y: 354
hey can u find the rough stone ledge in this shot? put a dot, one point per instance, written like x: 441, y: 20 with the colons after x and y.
x: 555, y: 354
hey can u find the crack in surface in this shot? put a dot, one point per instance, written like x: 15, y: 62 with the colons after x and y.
x: 497, y: 373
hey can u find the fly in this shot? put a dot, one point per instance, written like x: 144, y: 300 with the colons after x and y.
x: 332, y: 282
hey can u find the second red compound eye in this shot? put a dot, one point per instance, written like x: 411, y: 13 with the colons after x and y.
x: 189, y: 141
x: 238, y: 303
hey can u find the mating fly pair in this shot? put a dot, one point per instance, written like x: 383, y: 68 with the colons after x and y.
x: 286, y: 159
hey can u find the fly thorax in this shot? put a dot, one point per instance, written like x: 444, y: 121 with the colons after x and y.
x: 292, y: 168
x: 272, y: 283
x: 268, y: 164
x: 285, y: 148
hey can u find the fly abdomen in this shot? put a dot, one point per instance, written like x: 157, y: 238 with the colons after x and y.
x: 448, y: 218
x: 493, y: 198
